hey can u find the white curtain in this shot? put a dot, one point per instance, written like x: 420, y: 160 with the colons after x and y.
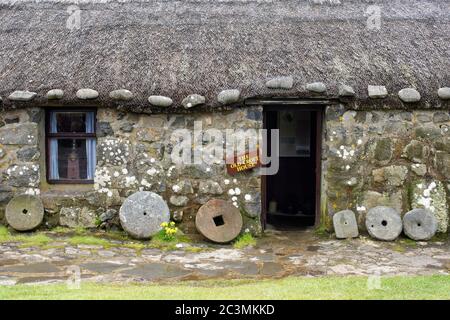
x: 54, y: 172
x: 90, y: 146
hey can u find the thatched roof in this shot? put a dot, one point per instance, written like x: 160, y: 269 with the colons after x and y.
x: 175, y: 48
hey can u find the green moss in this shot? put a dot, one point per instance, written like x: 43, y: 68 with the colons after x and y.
x: 159, y: 241
x: 322, y: 232
x: 117, y: 235
x: 440, y: 237
x: 399, y: 248
x: 194, y: 249
x: 326, y: 221
x: 138, y: 246
x: 26, y: 239
x: 408, y: 242
x: 244, y: 240
x: 80, y: 231
x: 89, y: 240
x: 3, y: 231
x: 62, y: 230
x: 98, y: 222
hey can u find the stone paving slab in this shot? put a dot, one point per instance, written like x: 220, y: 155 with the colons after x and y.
x: 276, y: 255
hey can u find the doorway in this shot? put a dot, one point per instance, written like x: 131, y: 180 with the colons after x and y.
x: 291, y: 198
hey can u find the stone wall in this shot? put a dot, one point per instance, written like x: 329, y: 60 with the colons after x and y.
x: 19, y: 154
x: 133, y: 153
x: 395, y: 158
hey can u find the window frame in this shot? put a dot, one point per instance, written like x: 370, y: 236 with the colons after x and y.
x: 68, y: 135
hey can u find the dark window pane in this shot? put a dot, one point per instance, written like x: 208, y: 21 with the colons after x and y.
x: 70, y: 121
x: 72, y: 159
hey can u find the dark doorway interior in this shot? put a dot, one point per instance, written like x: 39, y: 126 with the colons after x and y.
x: 291, y: 194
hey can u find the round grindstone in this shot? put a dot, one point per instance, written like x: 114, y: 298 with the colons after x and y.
x: 383, y: 223
x: 419, y: 224
x: 24, y: 212
x: 219, y: 221
x: 142, y: 213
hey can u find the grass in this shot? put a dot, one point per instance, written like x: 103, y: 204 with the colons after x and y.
x: 244, y: 240
x: 81, y: 236
x: 322, y: 232
x: 26, y: 240
x: 352, y: 287
x: 88, y: 240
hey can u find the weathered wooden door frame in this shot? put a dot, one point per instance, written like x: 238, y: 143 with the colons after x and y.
x: 319, y: 108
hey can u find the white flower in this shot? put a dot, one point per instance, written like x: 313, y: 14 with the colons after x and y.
x: 248, y: 197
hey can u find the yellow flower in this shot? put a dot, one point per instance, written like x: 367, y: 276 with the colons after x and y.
x: 164, y: 224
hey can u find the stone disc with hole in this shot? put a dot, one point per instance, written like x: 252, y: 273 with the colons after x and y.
x: 345, y: 225
x: 419, y: 224
x: 219, y: 221
x: 24, y: 212
x: 142, y: 213
x: 384, y: 223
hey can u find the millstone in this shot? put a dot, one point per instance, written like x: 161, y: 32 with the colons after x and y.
x: 219, y: 221
x: 24, y: 212
x: 383, y: 223
x: 345, y: 225
x: 142, y: 213
x: 419, y: 224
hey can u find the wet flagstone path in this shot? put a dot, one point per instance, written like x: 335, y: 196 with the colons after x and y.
x: 278, y: 254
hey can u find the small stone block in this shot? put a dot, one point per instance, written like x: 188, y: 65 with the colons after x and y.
x: 444, y: 93
x: 318, y: 87
x: 346, y: 91
x: 345, y: 225
x: 228, y: 96
x: 55, y: 94
x: 409, y: 95
x: 87, y: 94
x: 121, y: 95
x: 280, y: 83
x: 377, y: 92
x: 193, y: 100
x: 22, y: 96
x: 160, y: 101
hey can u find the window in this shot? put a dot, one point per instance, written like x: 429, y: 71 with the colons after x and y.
x: 71, y: 146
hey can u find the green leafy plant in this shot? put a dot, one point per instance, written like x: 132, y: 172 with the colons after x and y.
x: 244, y: 240
x: 169, y: 231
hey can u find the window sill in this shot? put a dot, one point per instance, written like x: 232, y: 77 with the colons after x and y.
x: 70, y: 181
